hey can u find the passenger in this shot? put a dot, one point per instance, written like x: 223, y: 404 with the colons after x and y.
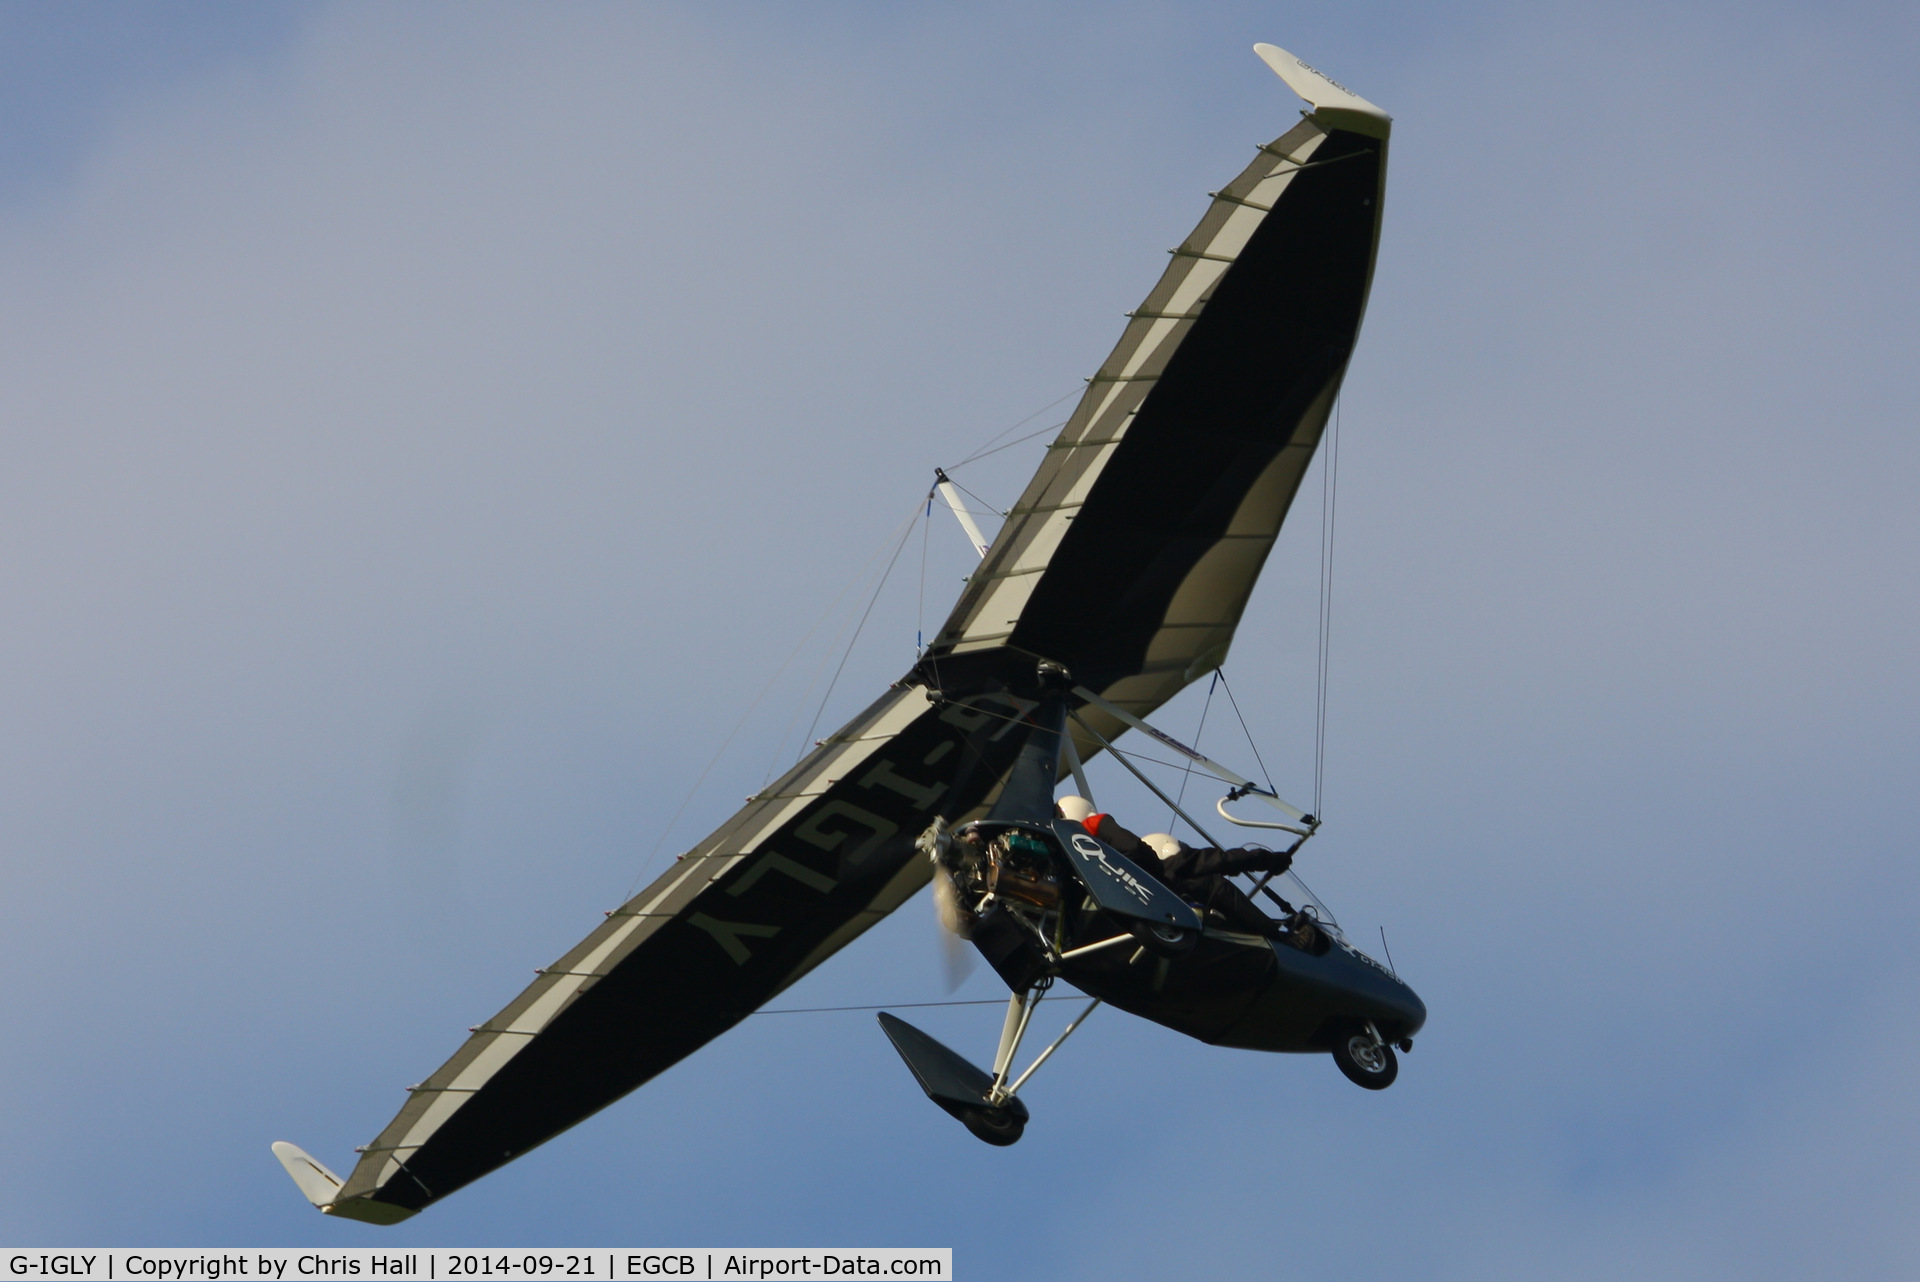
x: 1195, y: 873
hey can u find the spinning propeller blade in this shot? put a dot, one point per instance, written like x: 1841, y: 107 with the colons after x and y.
x: 956, y: 958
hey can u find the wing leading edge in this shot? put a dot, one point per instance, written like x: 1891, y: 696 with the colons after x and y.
x: 1128, y: 560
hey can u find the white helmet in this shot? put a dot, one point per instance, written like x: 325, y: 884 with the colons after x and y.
x: 1074, y: 808
x: 1164, y: 844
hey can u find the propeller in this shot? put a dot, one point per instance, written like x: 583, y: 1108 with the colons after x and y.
x: 956, y: 925
x: 957, y: 958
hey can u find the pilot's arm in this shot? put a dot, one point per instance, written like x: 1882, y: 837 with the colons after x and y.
x: 1205, y: 861
x: 1192, y: 861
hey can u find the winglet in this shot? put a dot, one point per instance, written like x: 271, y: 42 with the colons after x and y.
x: 318, y: 1183
x: 322, y: 1188
x: 1334, y: 104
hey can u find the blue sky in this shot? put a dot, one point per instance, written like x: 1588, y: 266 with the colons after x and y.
x: 428, y: 428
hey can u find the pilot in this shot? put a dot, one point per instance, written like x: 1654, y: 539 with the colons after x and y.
x: 1195, y: 873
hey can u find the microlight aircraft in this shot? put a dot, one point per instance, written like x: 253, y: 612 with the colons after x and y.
x: 1117, y: 580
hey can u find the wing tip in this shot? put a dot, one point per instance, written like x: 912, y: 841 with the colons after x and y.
x: 321, y: 1187
x: 315, y: 1182
x: 1334, y: 103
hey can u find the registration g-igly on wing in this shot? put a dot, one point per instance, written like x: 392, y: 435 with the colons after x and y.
x: 1118, y: 578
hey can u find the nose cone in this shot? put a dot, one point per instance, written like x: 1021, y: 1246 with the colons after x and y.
x: 1408, y: 1011
x: 1371, y: 991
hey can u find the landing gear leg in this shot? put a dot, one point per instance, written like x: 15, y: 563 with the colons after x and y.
x: 1014, y: 1027
x: 1000, y: 1119
x: 1019, y: 1012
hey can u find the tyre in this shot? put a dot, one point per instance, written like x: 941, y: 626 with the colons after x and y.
x: 1365, y: 1062
x: 1163, y: 940
x: 997, y: 1126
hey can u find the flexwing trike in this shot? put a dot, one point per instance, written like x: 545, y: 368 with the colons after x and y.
x: 1127, y: 562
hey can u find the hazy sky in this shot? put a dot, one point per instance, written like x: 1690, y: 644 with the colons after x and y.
x: 427, y: 429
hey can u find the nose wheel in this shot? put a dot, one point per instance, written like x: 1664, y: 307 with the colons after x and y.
x: 1366, y: 1059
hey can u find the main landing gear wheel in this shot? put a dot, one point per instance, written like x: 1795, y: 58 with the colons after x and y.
x: 1163, y: 939
x: 997, y: 1126
x: 1366, y: 1062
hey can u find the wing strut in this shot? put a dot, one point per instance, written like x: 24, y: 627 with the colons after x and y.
x: 1074, y: 766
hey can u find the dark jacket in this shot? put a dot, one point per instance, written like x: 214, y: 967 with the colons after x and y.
x: 1193, y: 863
x: 1199, y: 873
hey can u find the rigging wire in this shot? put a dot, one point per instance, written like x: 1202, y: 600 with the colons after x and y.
x: 976, y: 498
x: 1052, y: 427
x: 1186, y: 771
x: 739, y: 724
x: 1134, y: 754
x: 1235, y: 704
x: 1329, y: 500
x: 984, y: 449
x: 854, y: 640
x: 822, y: 1010
x: 779, y: 750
